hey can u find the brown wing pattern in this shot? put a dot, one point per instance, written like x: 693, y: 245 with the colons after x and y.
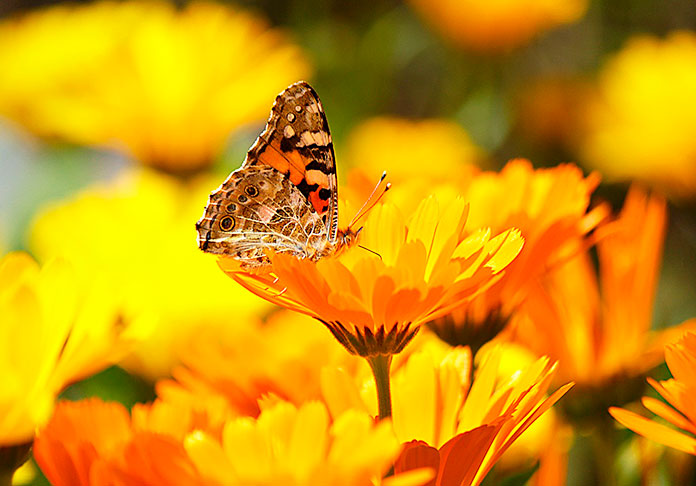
x: 297, y: 143
x: 255, y: 209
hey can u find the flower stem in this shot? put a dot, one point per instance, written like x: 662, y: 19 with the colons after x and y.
x: 380, y: 365
x: 604, y: 444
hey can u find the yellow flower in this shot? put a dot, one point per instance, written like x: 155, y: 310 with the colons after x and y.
x: 282, y: 357
x: 53, y: 331
x: 550, y: 208
x: 641, y: 125
x: 498, y: 25
x: 603, y: 341
x: 137, y: 233
x: 374, y: 301
x: 680, y: 393
x: 165, y: 84
x: 297, y: 446
x: 439, y: 415
x: 419, y: 156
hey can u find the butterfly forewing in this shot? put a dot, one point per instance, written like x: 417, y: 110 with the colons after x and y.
x: 284, y: 197
x: 297, y: 142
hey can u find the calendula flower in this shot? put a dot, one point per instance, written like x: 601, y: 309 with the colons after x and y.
x: 460, y: 431
x: 374, y: 301
x: 641, y: 124
x: 550, y: 208
x: 136, y: 232
x: 297, y: 446
x: 165, y: 84
x: 679, y: 392
x: 55, y: 330
x: 603, y: 340
x: 93, y: 443
x: 282, y: 357
x: 499, y: 25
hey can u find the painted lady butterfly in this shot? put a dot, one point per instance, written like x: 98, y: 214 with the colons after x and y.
x: 284, y: 197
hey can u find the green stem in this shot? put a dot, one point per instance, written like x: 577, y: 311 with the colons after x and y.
x: 380, y: 365
x: 604, y: 444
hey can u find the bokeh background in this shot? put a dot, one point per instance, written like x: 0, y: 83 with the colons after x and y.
x: 117, y: 118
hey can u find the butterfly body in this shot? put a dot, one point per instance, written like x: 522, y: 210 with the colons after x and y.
x: 284, y: 197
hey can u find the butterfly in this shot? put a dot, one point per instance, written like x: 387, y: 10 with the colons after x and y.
x: 284, y: 197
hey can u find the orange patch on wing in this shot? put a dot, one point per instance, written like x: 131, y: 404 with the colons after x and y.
x: 319, y: 204
x: 291, y: 163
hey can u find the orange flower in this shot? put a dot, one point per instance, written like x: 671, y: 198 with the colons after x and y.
x: 282, y: 357
x: 680, y: 392
x: 549, y: 206
x: 96, y: 443
x: 374, y: 301
x: 603, y: 339
x: 500, y: 25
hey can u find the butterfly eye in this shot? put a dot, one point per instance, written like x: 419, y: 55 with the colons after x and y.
x: 227, y: 223
x: 251, y: 191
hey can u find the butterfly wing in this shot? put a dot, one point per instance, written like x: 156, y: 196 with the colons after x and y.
x: 297, y: 143
x: 255, y: 209
x: 284, y: 197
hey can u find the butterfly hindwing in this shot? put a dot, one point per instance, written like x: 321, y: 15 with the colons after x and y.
x: 255, y: 209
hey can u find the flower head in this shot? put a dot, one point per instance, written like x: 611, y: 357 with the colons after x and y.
x: 603, y: 338
x: 373, y: 301
x: 500, y: 25
x: 640, y: 125
x: 140, y: 239
x: 550, y: 208
x: 165, y: 84
x: 54, y: 330
x: 296, y: 446
x: 459, y: 429
x: 241, y: 366
x: 680, y: 393
x: 92, y: 443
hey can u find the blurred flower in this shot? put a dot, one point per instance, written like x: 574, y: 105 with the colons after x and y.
x: 93, y: 443
x: 603, y: 340
x: 53, y: 331
x: 137, y: 233
x: 297, y: 446
x: 642, y: 124
x: 165, y: 84
x: 680, y: 393
x: 282, y: 357
x: 374, y: 301
x: 420, y: 157
x: 496, y: 26
x: 406, y: 148
x: 458, y: 430
x: 550, y: 112
x: 550, y: 208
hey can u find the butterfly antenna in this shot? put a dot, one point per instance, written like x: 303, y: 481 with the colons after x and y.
x: 371, y: 251
x: 372, y: 199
